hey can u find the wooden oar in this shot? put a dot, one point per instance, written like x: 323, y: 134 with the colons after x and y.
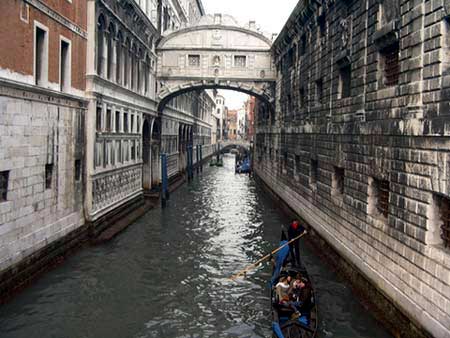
x: 248, y: 268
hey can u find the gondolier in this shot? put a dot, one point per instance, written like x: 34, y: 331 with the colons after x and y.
x: 295, y: 230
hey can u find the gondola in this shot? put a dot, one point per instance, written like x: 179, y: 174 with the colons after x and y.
x: 286, y: 322
x: 244, y: 167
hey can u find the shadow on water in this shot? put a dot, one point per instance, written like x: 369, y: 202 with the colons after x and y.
x: 167, y: 275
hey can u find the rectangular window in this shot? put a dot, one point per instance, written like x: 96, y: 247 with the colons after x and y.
x: 194, y: 60
x: 380, y: 196
x: 48, y: 176
x: 133, y: 150
x: 41, y: 57
x: 132, y: 123
x: 303, y: 45
x: 117, y: 121
x: 322, y: 27
x: 443, y: 221
x: 77, y: 170
x: 345, y: 78
x: 98, y: 121
x: 108, y: 120
x: 65, y: 68
x: 24, y: 11
x: 302, y: 98
x: 338, y: 181
x: 390, y: 64
x: 319, y: 91
x: 125, y: 122
x: 240, y: 61
x: 4, y: 177
x: 314, y: 172
x: 119, y: 152
x: 297, y: 164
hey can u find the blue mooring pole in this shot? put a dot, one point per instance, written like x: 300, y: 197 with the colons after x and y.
x: 197, y: 153
x: 190, y: 160
x: 164, y: 180
x: 201, y: 158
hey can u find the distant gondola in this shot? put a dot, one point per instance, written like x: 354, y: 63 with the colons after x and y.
x: 286, y: 322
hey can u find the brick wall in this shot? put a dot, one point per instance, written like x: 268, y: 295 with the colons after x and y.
x: 17, y: 38
x: 330, y: 157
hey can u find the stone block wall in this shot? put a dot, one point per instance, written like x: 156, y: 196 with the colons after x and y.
x: 359, y: 143
x: 39, y: 130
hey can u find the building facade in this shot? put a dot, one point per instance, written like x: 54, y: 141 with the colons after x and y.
x: 358, y: 145
x: 121, y: 87
x: 42, y: 111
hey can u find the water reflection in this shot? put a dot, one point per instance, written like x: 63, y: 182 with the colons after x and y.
x: 167, y: 275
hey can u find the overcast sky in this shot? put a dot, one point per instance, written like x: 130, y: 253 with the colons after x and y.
x: 269, y: 15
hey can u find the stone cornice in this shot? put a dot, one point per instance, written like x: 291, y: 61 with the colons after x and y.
x: 39, y: 5
x: 24, y: 91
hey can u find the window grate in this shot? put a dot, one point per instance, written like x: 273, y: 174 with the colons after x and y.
x: 391, y: 65
x: 4, y: 177
x: 445, y: 215
x: 383, y: 197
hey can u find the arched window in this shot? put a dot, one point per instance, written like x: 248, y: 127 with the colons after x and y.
x: 147, y: 75
x: 111, y: 41
x: 119, y: 56
x: 126, y: 59
x: 133, y: 66
x: 101, y: 26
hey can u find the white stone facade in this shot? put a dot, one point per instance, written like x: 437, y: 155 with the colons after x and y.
x: 39, y: 128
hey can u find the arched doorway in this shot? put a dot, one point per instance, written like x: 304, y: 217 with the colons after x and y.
x: 155, y: 153
x: 146, y: 154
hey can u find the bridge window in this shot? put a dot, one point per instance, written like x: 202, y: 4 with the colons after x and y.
x: 240, y: 61
x: 194, y: 60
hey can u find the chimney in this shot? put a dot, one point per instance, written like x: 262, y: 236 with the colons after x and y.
x: 217, y: 19
x: 252, y: 24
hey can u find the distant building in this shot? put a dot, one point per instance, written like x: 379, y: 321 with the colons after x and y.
x: 250, y: 106
x: 220, y: 115
x: 232, y: 124
x: 241, y: 123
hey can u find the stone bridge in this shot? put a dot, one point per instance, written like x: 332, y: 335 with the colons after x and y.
x: 235, y: 144
x: 216, y: 53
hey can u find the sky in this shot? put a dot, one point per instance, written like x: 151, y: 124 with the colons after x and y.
x: 269, y: 15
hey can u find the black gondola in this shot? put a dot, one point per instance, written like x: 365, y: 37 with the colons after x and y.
x: 289, y: 321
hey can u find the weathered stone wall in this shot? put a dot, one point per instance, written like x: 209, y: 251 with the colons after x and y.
x: 39, y: 128
x: 362, y: 154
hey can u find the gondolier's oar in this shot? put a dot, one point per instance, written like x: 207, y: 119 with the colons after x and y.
x: 248, y: 268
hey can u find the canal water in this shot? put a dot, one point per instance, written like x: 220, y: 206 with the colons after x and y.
x: 167, y: 275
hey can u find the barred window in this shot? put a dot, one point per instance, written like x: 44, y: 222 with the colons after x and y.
x: 444, y: 221
x: 391, y: 65
x: 77, y: 170
x: 4, y: 177
x: 338, y: 181
x: 345, y: 78
x: 319, y: 91
x: 194, y: 60
x: 382, y: 188
x: 48, y: 176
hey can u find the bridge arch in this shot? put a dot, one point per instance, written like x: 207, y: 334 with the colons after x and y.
x: 216, y: 53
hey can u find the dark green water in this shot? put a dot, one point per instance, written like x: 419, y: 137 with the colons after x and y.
x: 166, y: 275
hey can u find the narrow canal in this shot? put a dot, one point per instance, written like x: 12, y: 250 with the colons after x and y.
x: 166, y: 275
